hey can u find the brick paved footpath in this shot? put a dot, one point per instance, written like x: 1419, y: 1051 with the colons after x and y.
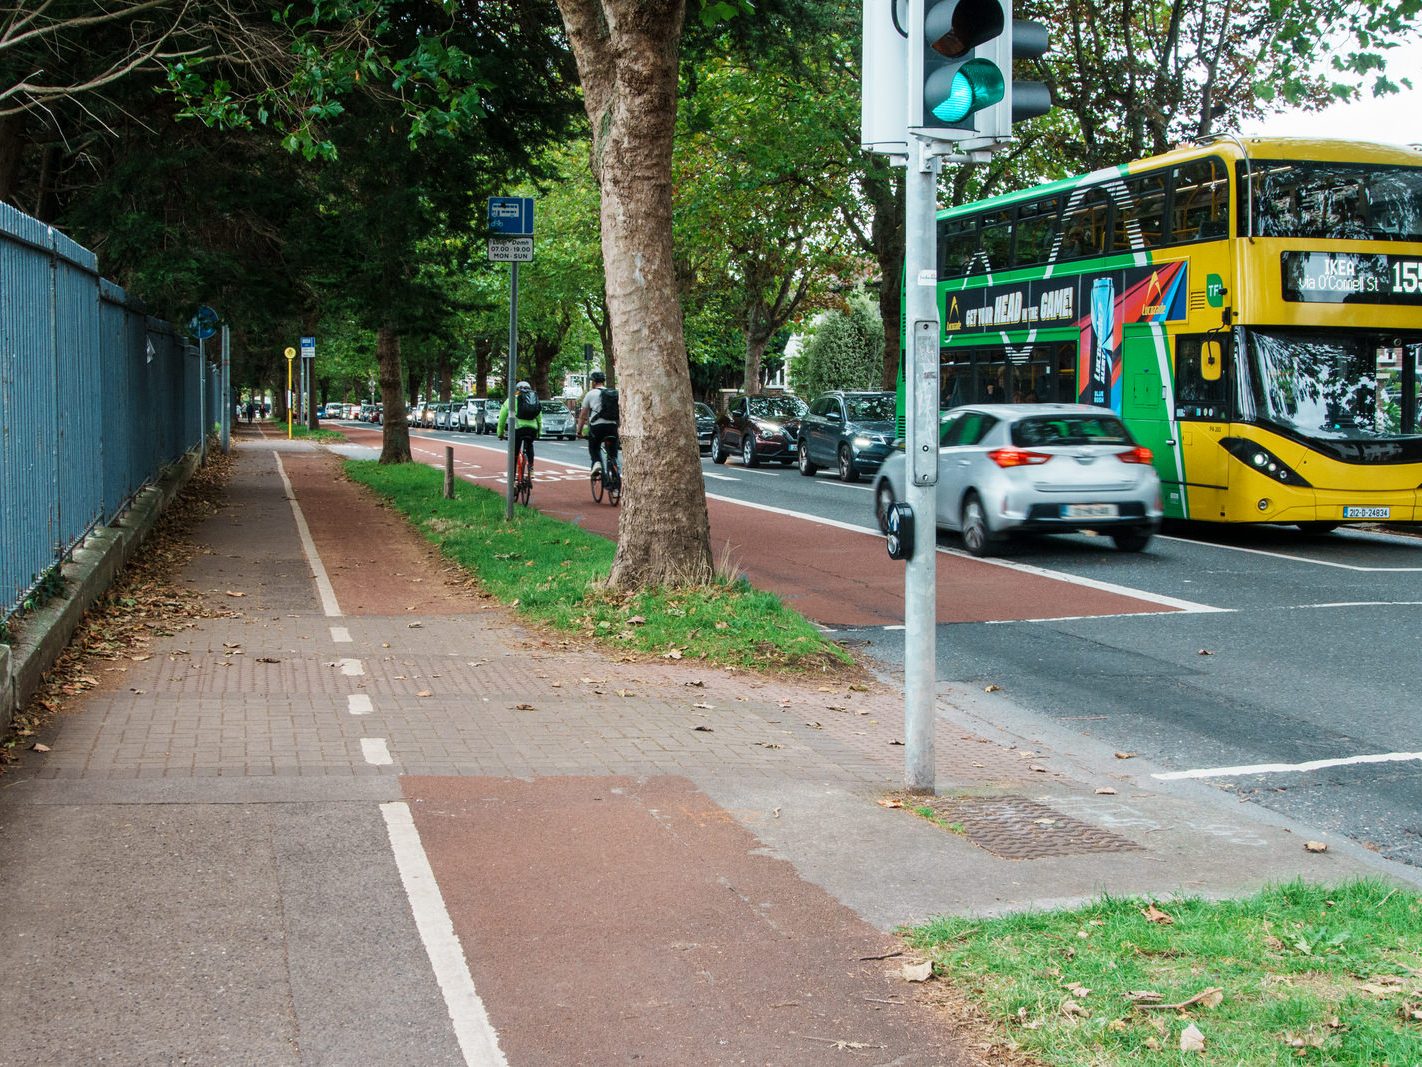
x: 369, y: 818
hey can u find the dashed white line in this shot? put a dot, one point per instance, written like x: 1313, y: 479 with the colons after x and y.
x: 375, y: 751
x: 340, y: 635
x: 1288, y: 768
x: 351, y: 668
x: 359, y: 704
x: 478, y: 1040
x: 318, y: 571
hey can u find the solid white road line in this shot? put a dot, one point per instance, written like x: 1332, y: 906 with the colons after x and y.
x: 323, y: 583
x: 1056, y: 576
x: 359, y: 704
x: 340, y: 635
x: 476, y: 1035
x: 1288, y: 768
x: 1300, y: 559
x: 375, y: 751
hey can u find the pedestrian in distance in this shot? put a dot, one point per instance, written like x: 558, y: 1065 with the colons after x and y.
x: 599, y: 414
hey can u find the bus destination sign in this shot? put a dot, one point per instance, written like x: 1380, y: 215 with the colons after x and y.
x: 1351, y: 278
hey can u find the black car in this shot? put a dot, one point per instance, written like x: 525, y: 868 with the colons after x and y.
x: 705, y: 426
x: 757, y: 428
x: 851, y: 432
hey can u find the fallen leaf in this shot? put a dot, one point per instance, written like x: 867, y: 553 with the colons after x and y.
x: 1204, y: 652
x: 992, y: 688
x: 636, y: 620
x: 231, y: 592
x: 1105, y: 791
x: 673, y: 654
x: 814, y: 726
x: 140, y: 659
x: 267, y: 659
x: 37, y: 747
x: 626, y: 693
x: 890, y: 802
x: 857, y: 688
x: 1038, y: 768
x: 897, y: 742
x: 1191, y: 1040
x: 695, y: 684
x: 1143, y: 996
x: 517, y: 707
x: 415, y: 625
x: 1125, y: 755
x: 703, y: 705
x: 1071, y: 1007
x: 1155, y: 915
x: 1315, y: 846
x: 424, y: 693
x: 768, y: 744
x: 703, y: 729
x: 556, y: 685
x: 723, y: 626
x: 918, y: 972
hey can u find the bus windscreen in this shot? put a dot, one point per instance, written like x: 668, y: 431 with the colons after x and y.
x: 1332, y: 200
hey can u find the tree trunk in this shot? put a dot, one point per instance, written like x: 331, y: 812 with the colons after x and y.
x: 444, y: 377
x: 887, y: 198
x: 755, y: 355
x: 542, y: 353
x: 395, y: 429
x: 483, y: 359
x: 626, y: 52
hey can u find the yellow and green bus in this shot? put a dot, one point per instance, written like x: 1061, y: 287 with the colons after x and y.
x: 1252, y: 308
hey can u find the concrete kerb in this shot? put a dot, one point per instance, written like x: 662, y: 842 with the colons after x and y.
x: 87, y: 575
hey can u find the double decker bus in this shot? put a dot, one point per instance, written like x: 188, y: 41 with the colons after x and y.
x: 1252, y: 308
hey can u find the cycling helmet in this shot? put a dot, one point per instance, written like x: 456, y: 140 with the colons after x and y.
x: 598, y: 376
x: 521, y: 386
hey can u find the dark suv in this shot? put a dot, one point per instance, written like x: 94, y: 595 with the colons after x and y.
x: 757, y: 428
x: 852, y: 432
x: 705, y: 426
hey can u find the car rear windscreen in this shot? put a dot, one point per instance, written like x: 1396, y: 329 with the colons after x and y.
x: 1038, y: 431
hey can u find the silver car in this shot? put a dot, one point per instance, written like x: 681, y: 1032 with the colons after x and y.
x: 1035, y: 468
x: 558, y: 421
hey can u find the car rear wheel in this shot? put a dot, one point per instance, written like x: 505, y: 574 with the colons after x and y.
x: 977, y: 537
x: 847, y: 473
x: 807, y: 468
x: 718, y: 450
x: 1131, y: 540
x: 748, y: 455
x: 883, y: 503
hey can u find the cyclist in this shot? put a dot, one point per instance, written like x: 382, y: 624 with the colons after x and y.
x: 598, y: 412
x: 528, y: 420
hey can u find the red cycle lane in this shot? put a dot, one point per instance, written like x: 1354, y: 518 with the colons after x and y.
x: 839, y: 577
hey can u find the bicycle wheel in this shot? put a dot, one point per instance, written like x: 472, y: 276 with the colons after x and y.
x: 523, y: 482
x: 595, y: 480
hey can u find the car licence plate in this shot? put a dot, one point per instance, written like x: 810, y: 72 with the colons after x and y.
x: 791, y: 447
x: 1367, y: 513
x: 1090, y: 511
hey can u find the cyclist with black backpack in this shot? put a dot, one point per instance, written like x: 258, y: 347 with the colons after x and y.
x: 528, y: 420
x: 598, y: 412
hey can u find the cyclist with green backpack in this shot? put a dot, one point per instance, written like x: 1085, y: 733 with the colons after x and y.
x: 598, y: 412
x: 528, y: 420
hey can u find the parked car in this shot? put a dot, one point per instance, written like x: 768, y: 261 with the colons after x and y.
x: 483, y: 414
x: 757, y: 428
x: 441, y: 417
x: 1007, y: 469
x: 705, y: 425
x: 557, y: 419
x: 852, y: 432
x: 378, y: 416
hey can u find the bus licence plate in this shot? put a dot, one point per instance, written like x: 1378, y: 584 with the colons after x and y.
x: 1090, y: 511
x: 1367, y: 513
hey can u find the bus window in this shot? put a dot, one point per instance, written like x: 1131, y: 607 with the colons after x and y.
x: 1142, y: 217
x: 1036, y: 230
x: 1201, y: 390
x: 1086, y: 224
x: 996, y: 241
x: 1325, y: 200
x: 957, y: 244
x: 1200, y: 201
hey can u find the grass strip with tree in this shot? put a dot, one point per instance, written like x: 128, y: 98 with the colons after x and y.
x: 1295, y: 974
x: 552, y: 572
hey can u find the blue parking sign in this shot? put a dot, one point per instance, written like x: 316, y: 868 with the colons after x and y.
x: 511, y: 216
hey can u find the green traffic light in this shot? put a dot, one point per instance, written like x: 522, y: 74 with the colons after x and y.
x: 977, y: 84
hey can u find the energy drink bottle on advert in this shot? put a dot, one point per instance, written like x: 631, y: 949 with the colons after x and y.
x: 1103, y: 327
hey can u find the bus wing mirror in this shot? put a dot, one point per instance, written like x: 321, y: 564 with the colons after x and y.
x: 1211, y: 361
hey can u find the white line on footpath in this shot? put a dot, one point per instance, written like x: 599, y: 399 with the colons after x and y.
x: 1288, y: 768
x: 340, y: 635
x: 351, y: 668
x: 477, y: 1038
x: 323, y: 583
x: 375, y: 751
x: 359, y: 704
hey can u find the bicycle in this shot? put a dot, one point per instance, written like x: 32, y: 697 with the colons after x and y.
x: 606, y: 477
x: 523, y: 478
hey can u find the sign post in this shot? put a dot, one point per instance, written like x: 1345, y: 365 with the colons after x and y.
x: 308, y: 374
x: 511, y: 218
x: 290, y: 356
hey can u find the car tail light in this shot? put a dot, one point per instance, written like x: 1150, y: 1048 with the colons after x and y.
x: 1017, y: 457
x: 1139, y: 454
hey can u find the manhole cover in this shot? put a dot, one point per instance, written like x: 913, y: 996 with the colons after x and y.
x: 1016, y: 828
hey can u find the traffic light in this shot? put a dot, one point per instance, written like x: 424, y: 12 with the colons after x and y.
x: 967, y: 48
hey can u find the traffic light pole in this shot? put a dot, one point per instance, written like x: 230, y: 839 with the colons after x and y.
x: 921, y: 402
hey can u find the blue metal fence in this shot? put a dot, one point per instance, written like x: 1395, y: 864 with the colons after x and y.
x: 96, y: 398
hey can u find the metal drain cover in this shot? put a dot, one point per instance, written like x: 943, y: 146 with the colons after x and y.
x: 1016, y: 828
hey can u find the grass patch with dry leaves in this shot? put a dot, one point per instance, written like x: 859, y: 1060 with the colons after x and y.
x: 1295, y: 974
x: 552, y: 572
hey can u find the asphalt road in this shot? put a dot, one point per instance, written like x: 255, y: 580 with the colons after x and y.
x: 1302, y: 648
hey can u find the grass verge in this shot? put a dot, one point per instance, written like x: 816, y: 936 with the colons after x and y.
x: 309, y: 434
x: 551, y: 572
x: 1296, y: 974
